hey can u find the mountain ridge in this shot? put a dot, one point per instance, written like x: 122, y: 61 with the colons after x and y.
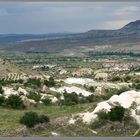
x: 130, y: 33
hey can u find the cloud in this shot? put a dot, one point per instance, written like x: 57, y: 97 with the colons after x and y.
x: 115, y: 24
x: 62, y: 10
x: 127, y: 10
x: 34, y: 17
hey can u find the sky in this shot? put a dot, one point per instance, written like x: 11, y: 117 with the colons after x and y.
x: 59, y: 17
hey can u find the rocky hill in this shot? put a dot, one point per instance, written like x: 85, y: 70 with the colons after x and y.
x: 130, y: 33
x: 11, y: 71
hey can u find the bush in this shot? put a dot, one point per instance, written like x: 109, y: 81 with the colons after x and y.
x: 1, y: 90
x: 44, y: 119
x: 70, y: 99
x: 30, y: 119
x: 93, y: 98
x: 73, y: 99
x: 15, y: 102
x: 50, y: 82
x: 34, y: 96
x: 46, y: 101
x: 2, y: 100
x: 20, y: 81
x: 7, y: 82
x: 137, y: 80
x: 115, y: 79
x: 102, y: 115
x: 83, y: 100
x: 123, y: 89
x: 33, y: 82
x: 127, y: 78
x: 116, y: 114
x: 90, y: 88
x: 97, y: 124
x: 113, y: 91
x: 136, y: 86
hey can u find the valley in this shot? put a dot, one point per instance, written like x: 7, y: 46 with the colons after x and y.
x: 43, y: 80
x: 84, y: 84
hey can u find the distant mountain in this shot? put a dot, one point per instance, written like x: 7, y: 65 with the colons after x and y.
x: 13, y: 38
x: 130, y: 33
x: 132, y: 26
x: 130, y: 30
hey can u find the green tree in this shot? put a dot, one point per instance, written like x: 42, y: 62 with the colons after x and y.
x: 30, y: 119
x: 34, y: 96
x: 116, y: 114
x: 15, y: 102
x: 70, y: 98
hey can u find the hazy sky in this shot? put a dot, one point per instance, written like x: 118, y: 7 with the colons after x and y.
x: 36, y: 18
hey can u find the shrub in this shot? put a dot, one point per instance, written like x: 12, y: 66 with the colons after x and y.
x: 136, y: 86
x: 34, y: 96
x: 137, y: 80
x: 7, y: 82
x: 46, y: 101
x: 15, y: 102
x: 33, y: 82
x: 20, y: 81
x: 102, y: 115
x: 30, y: 119
x: 2, y: 100
x: 97, y: 124
x: 116, y: 114
x: 44, y: 119
x: 83, y: 100
x: 127, y: 78
x: 113, y: 91
x: 70, y: 99
x: 115, y: 79
x: 50, y: 82
x: 91, y: 89
x: 1, y: 90
x: 93, y: 98
x: 123, y: 89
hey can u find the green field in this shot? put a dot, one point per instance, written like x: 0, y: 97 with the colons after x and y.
x: 9, y: 118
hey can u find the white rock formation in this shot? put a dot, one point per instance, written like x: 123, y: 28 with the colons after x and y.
x: 54, y: 133
x: 9, y: 91
x: 51, y: 97
x: 23, y: 91
x: 87, y: 81
x: 80, y: 81
x: 72, y: 89
x: 72, y: 121
x: 26, y: 101
x: 98, y: 91
x: 101, y: 75
x: 126, y: 100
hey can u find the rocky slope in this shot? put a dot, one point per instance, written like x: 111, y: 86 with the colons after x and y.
x: 130, y: 33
